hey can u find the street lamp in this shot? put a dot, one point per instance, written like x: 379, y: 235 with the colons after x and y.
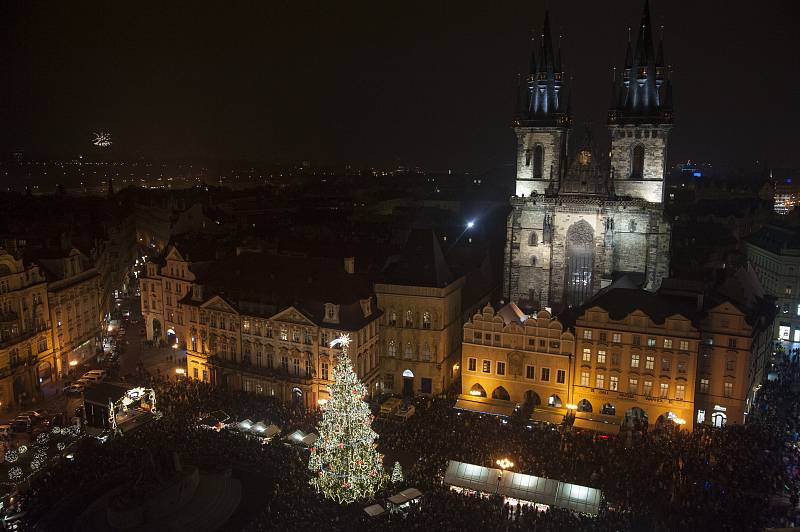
x: 571, y: 406
x: 73, y: 363
x: 470, y: 224
x: 180, y: 371
x: 505, y: 463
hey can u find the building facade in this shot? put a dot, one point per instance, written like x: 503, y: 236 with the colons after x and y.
x: 262, y: 323
x: 635, y: 358
x: 576, y: 223
x: 508, y: 357
x: 26, y: 349
x: 774, y: 253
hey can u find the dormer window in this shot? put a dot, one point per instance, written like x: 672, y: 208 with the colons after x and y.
x: 331, y: 313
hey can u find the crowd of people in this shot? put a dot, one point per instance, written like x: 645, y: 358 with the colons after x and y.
x: 740, y: 477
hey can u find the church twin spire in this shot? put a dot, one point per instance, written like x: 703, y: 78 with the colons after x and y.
x: 644, y: 94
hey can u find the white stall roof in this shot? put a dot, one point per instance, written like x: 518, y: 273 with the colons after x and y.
x: 495, y: 408
x: 470, y: 476
x: 404, y: 496
x: 310, y: 439
x: 259, y: 428
x: 524, y: 487
x: 578, y: 498
x: 374, y: 510
x: 529, y: 488
x: 245, y: 424
x: 271, y: 431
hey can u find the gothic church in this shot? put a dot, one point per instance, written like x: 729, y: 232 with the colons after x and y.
x: 578, y: 223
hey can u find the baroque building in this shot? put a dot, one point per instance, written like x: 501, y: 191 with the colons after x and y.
x: 579, y: 222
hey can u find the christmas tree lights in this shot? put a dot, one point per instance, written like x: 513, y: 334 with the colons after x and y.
x: 346, y: 464
x: 397, y: 473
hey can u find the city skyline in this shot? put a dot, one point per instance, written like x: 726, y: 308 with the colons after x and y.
x: 418, y: 85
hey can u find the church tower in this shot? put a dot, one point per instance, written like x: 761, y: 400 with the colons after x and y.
x: 640, y: 119
x: 542, y: 120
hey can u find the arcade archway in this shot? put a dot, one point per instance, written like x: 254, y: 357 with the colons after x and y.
x: 584, y: 406
x: 477, y: 390
x: 501, y: 394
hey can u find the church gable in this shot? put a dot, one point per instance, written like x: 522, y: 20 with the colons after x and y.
x: 174, y: 254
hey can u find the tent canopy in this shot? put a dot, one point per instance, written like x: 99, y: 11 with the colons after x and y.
x: 490, y: 406
x: 523, y: 487
x: 271, y: 431
x: 374, y: 510
x: 405, y: 496
x: 597, y: 426
x: 547, y: 415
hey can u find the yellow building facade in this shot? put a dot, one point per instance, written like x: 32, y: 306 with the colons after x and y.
x: 511, y: 359
x: 635, y: 365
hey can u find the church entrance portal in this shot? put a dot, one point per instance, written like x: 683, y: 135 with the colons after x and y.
x: 580, y: 262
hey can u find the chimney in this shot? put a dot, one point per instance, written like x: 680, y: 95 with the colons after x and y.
x: 350, y: 265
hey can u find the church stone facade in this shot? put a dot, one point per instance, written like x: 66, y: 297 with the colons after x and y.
x: 579, y: 222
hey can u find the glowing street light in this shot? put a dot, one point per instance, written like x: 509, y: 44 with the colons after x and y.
x: 180, y: 371
x: 73, y: 363
x: 505, y: 463
x: 571, y: 406
x: 470, y: 224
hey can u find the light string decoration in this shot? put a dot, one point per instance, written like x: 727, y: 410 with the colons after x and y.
x: 346, y: 464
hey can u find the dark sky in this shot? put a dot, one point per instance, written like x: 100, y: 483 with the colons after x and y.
x: 426, y: 83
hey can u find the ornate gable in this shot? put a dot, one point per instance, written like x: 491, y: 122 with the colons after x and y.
x: 292, y: 315
x: 218, y: 303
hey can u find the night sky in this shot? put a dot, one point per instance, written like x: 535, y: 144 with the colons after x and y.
x: 425, y: 83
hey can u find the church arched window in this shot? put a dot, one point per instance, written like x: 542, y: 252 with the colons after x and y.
x: 392, y: 348
x: 527, y: 157
x: 533, y: 240
x: 637, y: 162
x: 538, y: 161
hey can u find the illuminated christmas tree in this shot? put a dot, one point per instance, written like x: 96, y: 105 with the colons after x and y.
x: 397, y: 473
x: 346, y: 464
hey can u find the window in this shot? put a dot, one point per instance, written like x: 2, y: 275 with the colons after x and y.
x: 634, y: 361
x: 269, y: 330
x: 409, y: 318
x: 666, y: 364
x: 307, y: 337
x: 295, y: 366
x: 615, y: 359
x: 388, y: 381
x: 732, y: 343
x: 681, y: 367
x: 205, y: 375
x: 538, y: 161
x: 531, y: 342
x: 667, y: 343
x: 703, y: 385
x: 409, y: 351
x: 651, y: 342
x: 613, y: 383
x: 427, y: 385
x: 587, y: 334
x: 426, y: 320
x: 680, y: 392
x: 392, y: 348
x: 545, y: 374
x: 728, y: 391
x: 530, y: 372
x: 325, y: 370
x: 650, y: 362
x: 472, y: 364
x: 295, y: 335
x: 603, y: 336
x: 584, y: 378
x: 561, y: 376
x: 308, y: 369
x: 285, y: 364
x: 787, y: 290
x: 637, y: 162
x: 393, y: 319
x: 284, y: 333
x: 487, y: 366
x: 664, y: 390
x: 637, y: 340
x: 196, y: 373
x: 501, y: 368
x: 616, y: 338
x: 633, y: 385
x: 648, y: 388
x: 600, y: 381
x: 601, y: 357
x: 587, y: 354
x: 533, y: 240
x: 42, y: 345
x: 684, y: 345
x: 477, y: 336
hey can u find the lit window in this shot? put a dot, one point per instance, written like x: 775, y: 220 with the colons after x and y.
x: 426, y: 320
x: 651, y: 342
x: 680, y: 392
x: 650, y: 362
x: 613, y: 383
x: 601, y: 357
x: 664, y: 390
x: 617, y: 338
x: 587, y: 354
x: 284, y: 333
x: 704, y: 385
x: 587, y: 334
x: 648, y: 388
x: 728, y: 389
x: 667, y: 343
x: 600, y: 381
x: 633, y: 385
x: 684, y: 345
x: 392, y: 348
x: 584, y: 378
x: 487, y: 366
x: 634, y: 361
